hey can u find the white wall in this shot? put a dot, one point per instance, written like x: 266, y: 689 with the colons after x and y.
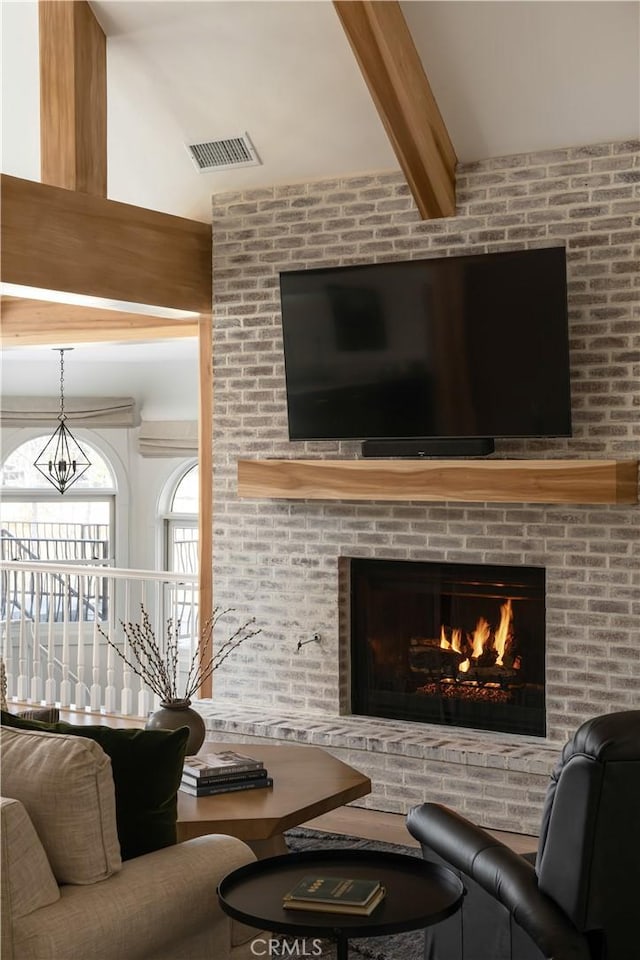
x: 20, y: 90
x: 161, y: 375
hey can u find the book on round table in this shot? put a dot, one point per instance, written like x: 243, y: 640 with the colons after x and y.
x: 220, y: 763
x: 348, y: 908
x: 335, y: 895
x: 228, y: 787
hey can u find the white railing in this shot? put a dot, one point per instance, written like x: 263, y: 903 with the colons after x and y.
x: 53, y: 622
x: 54, y: 542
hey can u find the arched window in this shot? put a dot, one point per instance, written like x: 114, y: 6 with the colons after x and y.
x: 38, y: 523
x: 181, y: 524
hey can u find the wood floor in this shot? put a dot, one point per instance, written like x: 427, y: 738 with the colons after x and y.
x: 354, y: 821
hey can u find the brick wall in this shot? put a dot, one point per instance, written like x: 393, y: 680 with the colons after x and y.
x: 281, y: 560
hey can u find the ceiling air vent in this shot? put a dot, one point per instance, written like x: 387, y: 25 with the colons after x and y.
x: 222, y: 154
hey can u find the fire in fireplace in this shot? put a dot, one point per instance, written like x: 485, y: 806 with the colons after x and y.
x: 457, y: 644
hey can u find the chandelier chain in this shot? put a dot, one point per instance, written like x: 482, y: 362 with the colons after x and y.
x: 62, y: 415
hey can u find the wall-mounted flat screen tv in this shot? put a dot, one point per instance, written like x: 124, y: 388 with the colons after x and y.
x: 449, y: 347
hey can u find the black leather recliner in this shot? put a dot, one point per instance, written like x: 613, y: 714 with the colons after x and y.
x: 581, y: 899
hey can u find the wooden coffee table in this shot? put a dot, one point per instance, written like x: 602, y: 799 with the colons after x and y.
x: 307, y: 782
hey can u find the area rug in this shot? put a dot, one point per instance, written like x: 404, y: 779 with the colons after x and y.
x: 401, y: 946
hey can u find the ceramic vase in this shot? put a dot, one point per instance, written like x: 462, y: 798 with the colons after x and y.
x: 179, y: 713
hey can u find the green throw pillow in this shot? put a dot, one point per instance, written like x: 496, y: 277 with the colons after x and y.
x: 147, y: 768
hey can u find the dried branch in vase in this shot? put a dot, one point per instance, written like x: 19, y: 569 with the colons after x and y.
x: 159, y: 669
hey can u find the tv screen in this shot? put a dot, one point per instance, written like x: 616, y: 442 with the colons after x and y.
x: 453, y: 347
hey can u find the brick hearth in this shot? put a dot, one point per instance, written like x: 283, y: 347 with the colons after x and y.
x: 498, y: 782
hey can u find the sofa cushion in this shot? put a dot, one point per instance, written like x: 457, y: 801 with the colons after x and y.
x: 147, y: 768
x: 27, y: 880
x: 66, y: 786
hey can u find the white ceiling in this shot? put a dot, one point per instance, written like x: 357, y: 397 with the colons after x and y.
x: 509, y: 77
x: 185, y: 348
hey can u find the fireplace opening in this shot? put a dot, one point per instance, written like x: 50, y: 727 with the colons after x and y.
x: 449, y: 643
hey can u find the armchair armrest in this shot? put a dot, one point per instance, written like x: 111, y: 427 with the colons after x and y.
x: 503, y: 874
x: 157, y: 907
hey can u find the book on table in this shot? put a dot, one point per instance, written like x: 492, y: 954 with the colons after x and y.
x: 226, y: 786
x: 219, y: 764
x: 335, y: 895
x: 224, y: 778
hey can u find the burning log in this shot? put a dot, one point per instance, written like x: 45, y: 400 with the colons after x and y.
x: 428, y: 657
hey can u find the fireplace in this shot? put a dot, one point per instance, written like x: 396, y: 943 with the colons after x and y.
x: 449, y: 643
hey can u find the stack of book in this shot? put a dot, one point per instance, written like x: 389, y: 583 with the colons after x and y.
x: 335, y: 895
x: 222, y: 772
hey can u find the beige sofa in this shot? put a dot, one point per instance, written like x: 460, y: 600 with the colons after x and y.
x: 66, y: 894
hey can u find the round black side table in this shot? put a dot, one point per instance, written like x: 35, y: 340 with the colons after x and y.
x: 418, y: 894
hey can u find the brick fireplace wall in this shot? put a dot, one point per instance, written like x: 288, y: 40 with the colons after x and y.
x: 284, y: 561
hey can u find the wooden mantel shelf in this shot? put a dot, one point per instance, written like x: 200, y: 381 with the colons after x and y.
x: 501, y: 481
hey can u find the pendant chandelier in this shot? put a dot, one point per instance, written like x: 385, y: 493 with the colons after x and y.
x: 62, y: 461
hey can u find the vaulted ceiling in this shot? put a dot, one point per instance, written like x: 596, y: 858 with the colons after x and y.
x: 509, y: 77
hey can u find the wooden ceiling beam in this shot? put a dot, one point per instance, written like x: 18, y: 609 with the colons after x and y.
x: 28, y: 323
x: 392, y: 69
x: 57, y: 239
x: 73, y: 97
x: 64, y: 235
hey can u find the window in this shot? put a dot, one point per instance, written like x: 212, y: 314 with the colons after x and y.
x: 181, y: 552
x: 39, y: 524
x: 18, y: 469
x: 182, y: 524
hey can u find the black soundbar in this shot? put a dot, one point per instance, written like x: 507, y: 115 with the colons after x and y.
x: 464, y: 447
